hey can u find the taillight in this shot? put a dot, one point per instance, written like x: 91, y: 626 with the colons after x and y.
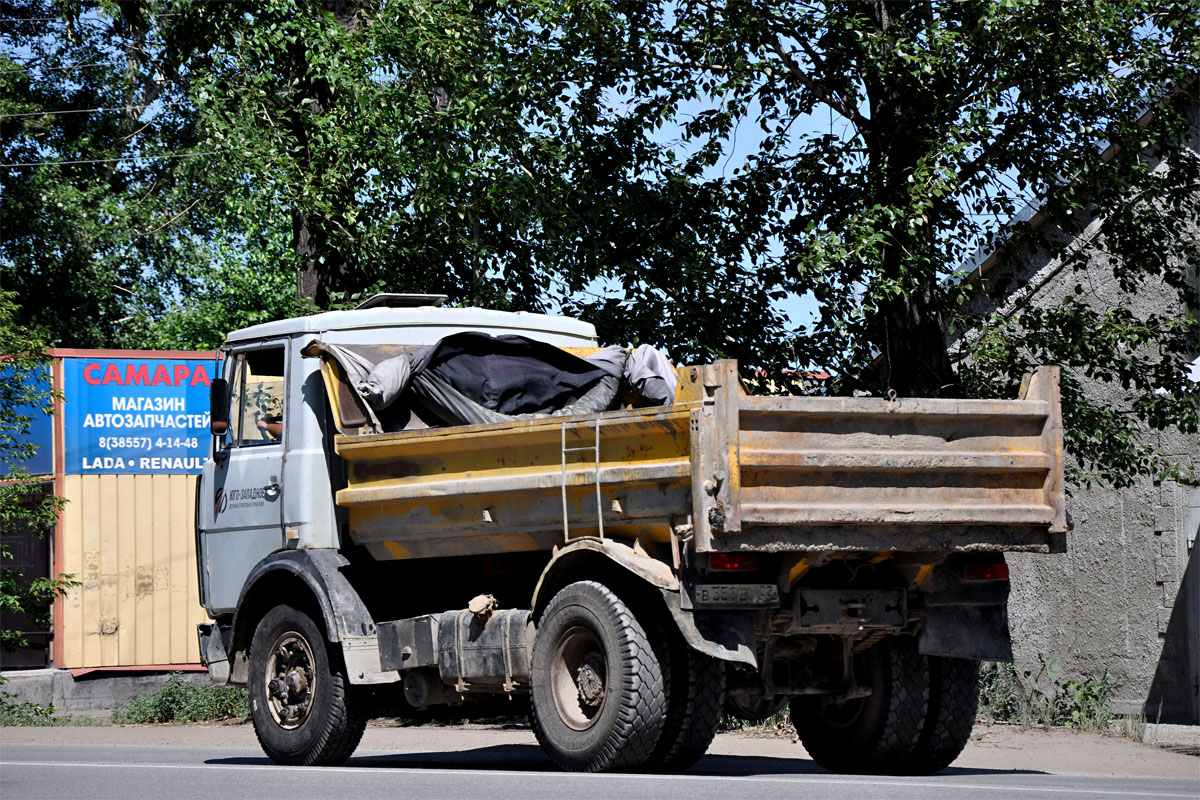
x: 986, y: 572
x: 728, y: 562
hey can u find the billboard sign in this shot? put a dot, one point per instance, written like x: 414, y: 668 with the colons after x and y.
x: 126, y: 416
x: 40, y: 432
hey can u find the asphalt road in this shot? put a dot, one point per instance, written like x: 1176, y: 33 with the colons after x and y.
x: 501, y: 771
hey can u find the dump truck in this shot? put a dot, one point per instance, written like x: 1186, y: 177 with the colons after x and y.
x: 625, y: 577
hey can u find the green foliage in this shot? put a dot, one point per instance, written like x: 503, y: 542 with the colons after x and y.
x: 1045, y: 699
x: 1001, y: 696
x: 81, y: 238
x: 238, y: 288
x: 897, y: 139
x: 24, y: 714
x: 176, y: 701
x: 25, y: 503
x: 778, y: 724
x: 670, y: 171
x: 1142, y: 363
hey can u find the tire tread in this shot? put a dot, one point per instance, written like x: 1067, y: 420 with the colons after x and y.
x: 889, y: 735
x: 694, y: 714
x: 953, y: 705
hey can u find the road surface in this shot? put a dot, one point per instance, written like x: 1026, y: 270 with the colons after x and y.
x: 210, y: 762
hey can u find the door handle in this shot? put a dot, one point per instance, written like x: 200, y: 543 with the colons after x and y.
x: 272, y: 490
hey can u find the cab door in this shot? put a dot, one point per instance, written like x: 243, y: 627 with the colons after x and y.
x: 240, y: 507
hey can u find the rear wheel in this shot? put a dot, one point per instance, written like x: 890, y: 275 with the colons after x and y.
x: 695, y: 696
x: 875, y: 734
x: 953, y: 704
x: 298, y: 697
x: 597, y: 690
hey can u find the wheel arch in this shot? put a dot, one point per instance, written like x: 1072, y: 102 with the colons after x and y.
x: 648, y: 583
x: 314, y: 579
x: 630, y: 572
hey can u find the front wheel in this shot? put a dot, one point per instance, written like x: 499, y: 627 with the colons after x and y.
x: 298, y: 698
x: 597, y: 690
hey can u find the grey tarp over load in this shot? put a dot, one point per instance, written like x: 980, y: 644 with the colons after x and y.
x: 470, y: 378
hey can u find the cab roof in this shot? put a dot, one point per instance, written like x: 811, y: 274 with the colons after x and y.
x: 481, y: 319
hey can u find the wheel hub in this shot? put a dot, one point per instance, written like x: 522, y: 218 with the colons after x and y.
x: 590, y: 682
x: 290, y: 680
x: 577, y: 675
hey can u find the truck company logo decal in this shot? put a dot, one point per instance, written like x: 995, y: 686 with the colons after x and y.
x: 239, y: 498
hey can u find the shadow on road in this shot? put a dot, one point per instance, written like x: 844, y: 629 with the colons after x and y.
x: 514, y: 757
x: 746, y: 766
x: 530, y: 758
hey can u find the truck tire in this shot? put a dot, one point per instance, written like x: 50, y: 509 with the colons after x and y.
x: 695, y: 697
x: 875, y: 734
x: 597, y: 687
x: 299, y: 693
x: 953, y: 704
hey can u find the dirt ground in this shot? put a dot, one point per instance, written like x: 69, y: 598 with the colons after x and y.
x: 997, y: 747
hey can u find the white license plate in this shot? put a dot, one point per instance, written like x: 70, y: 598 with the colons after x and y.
x: 736, y: 595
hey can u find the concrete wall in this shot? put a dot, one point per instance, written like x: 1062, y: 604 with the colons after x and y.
x: 96, y: 691
x: 1117, y: 601
x: 1125, y: 598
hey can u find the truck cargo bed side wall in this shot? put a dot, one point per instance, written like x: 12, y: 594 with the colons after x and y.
x: 813, y: 473
x: 499, y: 488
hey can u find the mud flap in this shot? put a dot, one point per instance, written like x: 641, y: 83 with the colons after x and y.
x: 212, y: 653
x: 724, y: 635
x: 974, y: 632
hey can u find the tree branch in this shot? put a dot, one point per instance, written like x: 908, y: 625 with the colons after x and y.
x: 811, y: 84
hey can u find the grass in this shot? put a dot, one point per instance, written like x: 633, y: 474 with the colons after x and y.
x: 176, y: 701
x: 778, y: 724
x: 23, y: 714
x: 1044, y: 698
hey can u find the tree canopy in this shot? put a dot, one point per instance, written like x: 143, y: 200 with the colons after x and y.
x: 677, y: 172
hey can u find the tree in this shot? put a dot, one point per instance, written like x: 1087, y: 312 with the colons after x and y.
x: 898, y: 139
x: 464, y: 148
x: 90, y: 132
x: 670, y: 171
x: 24, y: 503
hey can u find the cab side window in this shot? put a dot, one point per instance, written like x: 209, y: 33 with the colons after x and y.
x: 258, y: 397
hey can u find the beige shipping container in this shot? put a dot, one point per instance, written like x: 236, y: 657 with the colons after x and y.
x: 128, y: 539
x: 130, y: 542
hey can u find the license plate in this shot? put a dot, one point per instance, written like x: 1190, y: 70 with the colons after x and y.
x: 735, y: 595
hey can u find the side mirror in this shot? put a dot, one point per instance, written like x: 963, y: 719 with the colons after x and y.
x: 218, y: 400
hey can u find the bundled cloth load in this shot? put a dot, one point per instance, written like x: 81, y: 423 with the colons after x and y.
x: 470, y: 378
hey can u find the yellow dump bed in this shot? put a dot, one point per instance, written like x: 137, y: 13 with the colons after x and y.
x: 777, y: 474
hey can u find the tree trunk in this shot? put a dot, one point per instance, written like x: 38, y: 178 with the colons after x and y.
x: 913, y: 355
x: 325, y: 260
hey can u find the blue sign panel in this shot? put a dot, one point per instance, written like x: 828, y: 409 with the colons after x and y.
x: 135, y: 415
x: 41, y: 426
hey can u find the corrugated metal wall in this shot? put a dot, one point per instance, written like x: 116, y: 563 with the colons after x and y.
x: 129, y: 539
